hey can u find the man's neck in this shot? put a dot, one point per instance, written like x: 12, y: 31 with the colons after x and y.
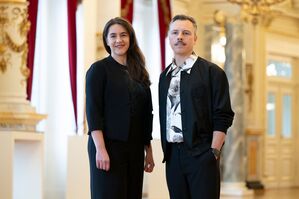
x: 180, y: 59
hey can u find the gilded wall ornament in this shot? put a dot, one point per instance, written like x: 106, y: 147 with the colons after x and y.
x: 14, y: 27
x: 4, y: 61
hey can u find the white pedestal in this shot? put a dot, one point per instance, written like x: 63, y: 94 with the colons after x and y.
x: 21, y: 165
x: 77, y: 168
x: 156, y: 181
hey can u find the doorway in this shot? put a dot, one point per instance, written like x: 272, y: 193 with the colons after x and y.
x: 280, y: 137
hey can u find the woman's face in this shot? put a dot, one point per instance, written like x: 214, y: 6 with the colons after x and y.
x: 118, y: 40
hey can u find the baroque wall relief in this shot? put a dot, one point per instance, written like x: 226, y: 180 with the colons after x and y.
x: 14, y: 27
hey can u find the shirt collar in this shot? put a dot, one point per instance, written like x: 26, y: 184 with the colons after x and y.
x: 188, y: 63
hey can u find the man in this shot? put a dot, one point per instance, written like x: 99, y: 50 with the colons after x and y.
x: 195, y: 113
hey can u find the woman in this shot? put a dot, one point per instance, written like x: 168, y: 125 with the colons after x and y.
x: 119, y: 115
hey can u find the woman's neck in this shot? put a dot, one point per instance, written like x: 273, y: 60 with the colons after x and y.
x: 120, y: 59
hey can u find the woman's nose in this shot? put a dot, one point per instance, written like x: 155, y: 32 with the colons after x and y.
x: 118, y: 39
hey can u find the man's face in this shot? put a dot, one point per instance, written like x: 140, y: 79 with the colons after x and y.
x: 182, y: 37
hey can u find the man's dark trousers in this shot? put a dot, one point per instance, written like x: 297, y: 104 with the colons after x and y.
x: 192, y: 177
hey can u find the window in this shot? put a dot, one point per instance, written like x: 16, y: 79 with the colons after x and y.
x: 279, y: 68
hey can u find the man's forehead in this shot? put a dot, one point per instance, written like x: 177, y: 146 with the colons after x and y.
x: 181, y: 25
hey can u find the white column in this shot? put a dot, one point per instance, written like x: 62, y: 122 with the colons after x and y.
x: 16, y: 113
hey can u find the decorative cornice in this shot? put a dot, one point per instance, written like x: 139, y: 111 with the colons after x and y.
x: 24, y: 118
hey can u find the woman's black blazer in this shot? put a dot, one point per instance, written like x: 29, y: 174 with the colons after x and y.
x: 108, y: 101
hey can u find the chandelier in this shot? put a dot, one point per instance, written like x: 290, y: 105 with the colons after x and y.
x: 252, y: 10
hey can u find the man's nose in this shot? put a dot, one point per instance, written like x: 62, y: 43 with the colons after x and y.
x: 180, y: 36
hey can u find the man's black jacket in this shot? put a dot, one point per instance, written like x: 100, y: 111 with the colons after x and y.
x: 205, y: 105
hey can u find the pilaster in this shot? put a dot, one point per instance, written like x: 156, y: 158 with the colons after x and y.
x: 16, y: 113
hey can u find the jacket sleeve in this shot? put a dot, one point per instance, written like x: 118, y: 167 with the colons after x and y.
x: 149, y: 117
x: 222, y: 113
x: 95, y: 86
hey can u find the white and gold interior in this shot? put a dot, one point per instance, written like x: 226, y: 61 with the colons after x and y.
x: 261, y: 52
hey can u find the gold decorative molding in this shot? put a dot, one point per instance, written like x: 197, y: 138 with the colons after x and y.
x: 4, y: 61
x: 13, y: 45
x: 13, y: 1
x: 19, y: 117
x: 14, y: 19
x: 25, y: 24
x: 24, y: 69
x: 20, y: 120
x: 255, y: 11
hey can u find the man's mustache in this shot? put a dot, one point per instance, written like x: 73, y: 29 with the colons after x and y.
x: 179, y: 43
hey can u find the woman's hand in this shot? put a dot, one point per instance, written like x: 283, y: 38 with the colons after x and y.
x: 102, y: 159
x: 149, y: 160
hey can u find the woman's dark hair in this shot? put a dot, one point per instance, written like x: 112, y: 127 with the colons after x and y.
x: 135, y: 58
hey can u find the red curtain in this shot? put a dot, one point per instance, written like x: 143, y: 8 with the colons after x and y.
x: 164, y: 12
x: 32, y: 12
x: 127, y: 10
x: 72, y: 42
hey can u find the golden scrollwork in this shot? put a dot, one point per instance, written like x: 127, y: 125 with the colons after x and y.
x: 254, y: 11
x: 17, y: 21
x: 16, y: 13
x: 12, y: 1
x: 13, y: 46
x: 3, y: 65
x: 24, y: 69
x: 25, y: 25
x: 4, y: 61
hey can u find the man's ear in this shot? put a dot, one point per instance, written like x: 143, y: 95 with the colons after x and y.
x: 195, y: 38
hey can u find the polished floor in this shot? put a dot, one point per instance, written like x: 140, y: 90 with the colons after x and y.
x: 270, y: 194
x: 278, y: 194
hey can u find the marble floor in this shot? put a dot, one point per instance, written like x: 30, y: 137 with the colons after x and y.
x: 278, y: 194
x: 270, y: 194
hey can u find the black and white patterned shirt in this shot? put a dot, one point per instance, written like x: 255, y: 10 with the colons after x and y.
x: 173, y: 108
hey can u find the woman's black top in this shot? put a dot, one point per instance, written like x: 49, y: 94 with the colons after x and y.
x: 115, y: 102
